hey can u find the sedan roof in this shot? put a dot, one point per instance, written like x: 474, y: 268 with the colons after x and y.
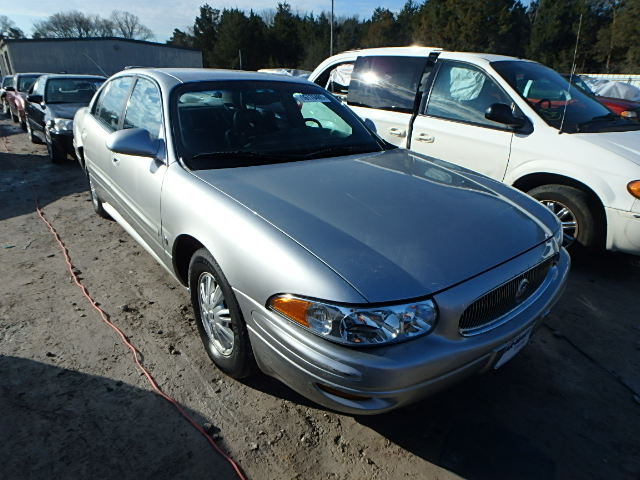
x: 185, y: 75
x: 74, y: 75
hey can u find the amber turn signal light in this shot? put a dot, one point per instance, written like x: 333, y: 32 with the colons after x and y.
x: 293, y: 308
x: 634, y: 188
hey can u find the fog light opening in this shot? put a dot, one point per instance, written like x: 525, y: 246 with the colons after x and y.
x: 341, y: 394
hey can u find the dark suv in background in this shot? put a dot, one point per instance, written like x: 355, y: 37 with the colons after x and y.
x: 50, y: 107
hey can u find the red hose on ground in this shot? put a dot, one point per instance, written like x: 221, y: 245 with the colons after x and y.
x: 134, y: 351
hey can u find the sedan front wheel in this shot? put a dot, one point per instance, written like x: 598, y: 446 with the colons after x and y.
x: 220, y: 322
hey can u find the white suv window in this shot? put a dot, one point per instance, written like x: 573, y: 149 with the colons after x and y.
x: 386, y: 82
x: 463, y: 93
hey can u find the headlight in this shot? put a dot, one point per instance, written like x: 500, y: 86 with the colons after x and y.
x: 62, y: 124
x: 629, y: 114
x: 353, y: 325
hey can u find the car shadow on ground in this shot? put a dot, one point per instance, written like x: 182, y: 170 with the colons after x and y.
x: 60, y: 423
x: 27, y: 177
x: 549, y: 413
x: 558, y: 410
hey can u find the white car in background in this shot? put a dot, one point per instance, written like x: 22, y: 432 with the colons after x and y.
x: 513, y: 120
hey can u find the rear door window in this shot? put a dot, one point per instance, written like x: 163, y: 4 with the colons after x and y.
x: 108, y: 108
x: 386, y: 83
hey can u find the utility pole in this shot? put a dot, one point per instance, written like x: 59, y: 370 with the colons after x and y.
x: 331, y: 32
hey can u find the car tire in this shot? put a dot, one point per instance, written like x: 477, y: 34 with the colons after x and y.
x: 32, y: 136
x: 219, y: 318
x: 96, y: 201
x: 574, y: 209
x: 56, y: 154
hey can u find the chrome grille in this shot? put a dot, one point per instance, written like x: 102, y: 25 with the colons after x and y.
x: 501, y: 300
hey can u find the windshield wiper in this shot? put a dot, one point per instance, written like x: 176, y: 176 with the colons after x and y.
x: 237, y: 153
x: 233, y: 158
x: 600, y: 118
x: 337, y: 151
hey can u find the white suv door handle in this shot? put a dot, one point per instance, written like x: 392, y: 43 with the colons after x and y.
x: 425, y: 137
x: 397, y: 132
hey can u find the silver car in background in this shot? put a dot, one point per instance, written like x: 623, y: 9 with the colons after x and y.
x: 363, y: 276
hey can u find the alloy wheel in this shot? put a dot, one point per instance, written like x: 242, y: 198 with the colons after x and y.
x: 215, y: 315
x: 565, y: 215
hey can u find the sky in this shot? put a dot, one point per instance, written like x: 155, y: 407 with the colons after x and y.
x: 162, y: 16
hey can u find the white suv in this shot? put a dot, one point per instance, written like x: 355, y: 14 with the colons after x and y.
x: 513, y: 120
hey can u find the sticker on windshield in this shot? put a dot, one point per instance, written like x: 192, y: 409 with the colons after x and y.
x: 312, y: 97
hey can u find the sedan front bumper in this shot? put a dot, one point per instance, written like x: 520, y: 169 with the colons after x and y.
x: 378, y: 379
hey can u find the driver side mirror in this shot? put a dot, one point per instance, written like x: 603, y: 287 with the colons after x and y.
x: 501, y: 113
x: 133, y: 141
x: 9, y: 89
x: 34, y: 98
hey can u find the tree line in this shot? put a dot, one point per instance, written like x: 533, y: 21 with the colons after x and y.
x: 545, y: 30
x: 76, y: 24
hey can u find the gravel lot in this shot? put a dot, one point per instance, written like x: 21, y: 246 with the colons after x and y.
x: 74, y: 406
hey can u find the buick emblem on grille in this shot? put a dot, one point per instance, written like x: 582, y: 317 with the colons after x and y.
x: 523, y: 286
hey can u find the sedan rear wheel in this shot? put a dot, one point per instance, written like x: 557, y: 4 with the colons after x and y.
x: 220, y: 322
x: 96, y: 201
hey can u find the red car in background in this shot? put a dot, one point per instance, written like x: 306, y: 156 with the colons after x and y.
x: 16, y: 95
x: 624, y: 108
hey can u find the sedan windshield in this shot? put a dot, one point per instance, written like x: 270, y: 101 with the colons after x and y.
x: 232, y: 124
x: 25, y: 82
x: 71, y: 90
x: 560, y: 105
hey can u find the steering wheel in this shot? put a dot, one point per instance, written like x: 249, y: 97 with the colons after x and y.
x: 312, y: 120
x: 540, y: 102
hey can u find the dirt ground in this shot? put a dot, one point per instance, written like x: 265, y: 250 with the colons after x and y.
x: 73, y: 405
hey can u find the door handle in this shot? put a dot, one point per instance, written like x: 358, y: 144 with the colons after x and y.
x: 397, y: 132
x: 425, y: 137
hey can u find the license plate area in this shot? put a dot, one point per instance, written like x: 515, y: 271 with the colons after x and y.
x: 513, y: 348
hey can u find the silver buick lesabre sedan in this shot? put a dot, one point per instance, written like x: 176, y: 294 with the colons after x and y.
x: 363, y: 276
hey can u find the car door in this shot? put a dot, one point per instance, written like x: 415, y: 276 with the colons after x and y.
x: 383, y: 93
x: 451, y: 124
x: 105, y: 117
x: 139, y: 179
x: 36, y: 111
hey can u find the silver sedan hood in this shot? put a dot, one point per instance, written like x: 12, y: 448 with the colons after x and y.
x: 392, y: 224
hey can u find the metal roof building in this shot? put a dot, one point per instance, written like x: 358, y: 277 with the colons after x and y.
x: 98, y: 56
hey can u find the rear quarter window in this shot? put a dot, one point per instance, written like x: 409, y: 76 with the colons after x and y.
x: 387, y: 83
